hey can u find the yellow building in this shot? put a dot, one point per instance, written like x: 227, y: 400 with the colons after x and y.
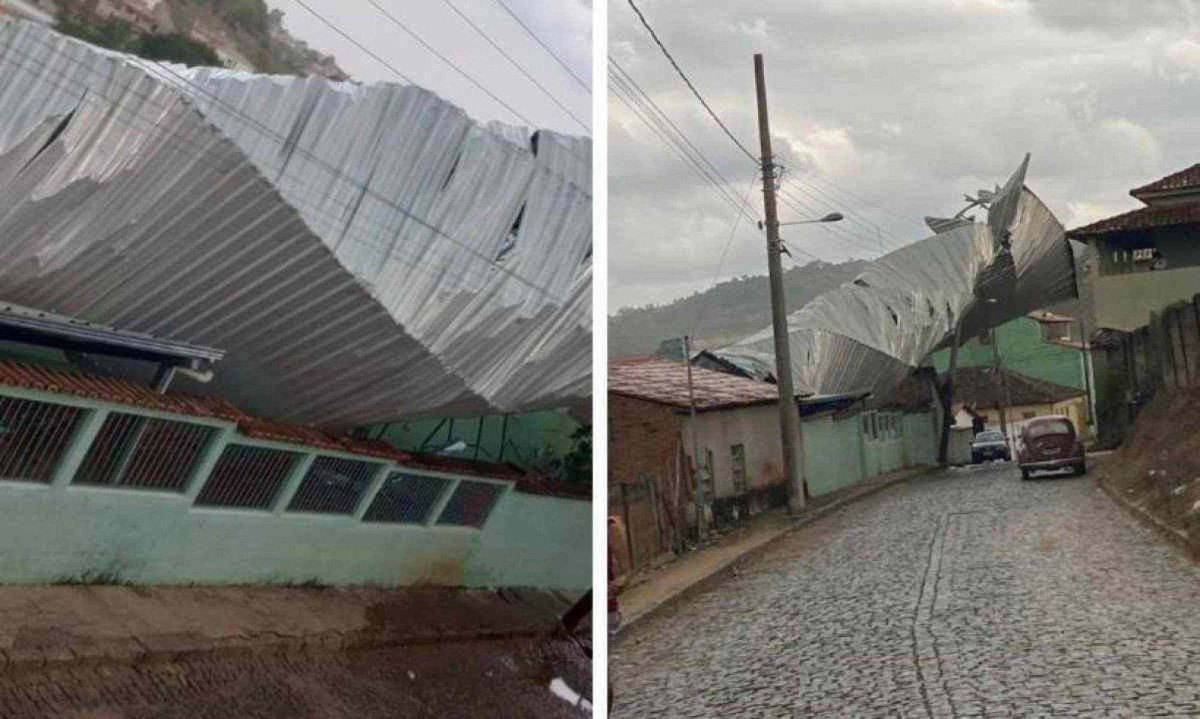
x: 984, y: 390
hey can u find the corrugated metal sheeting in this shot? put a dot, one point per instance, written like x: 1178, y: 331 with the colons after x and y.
x: 362, y: 252
x: 869, y: 334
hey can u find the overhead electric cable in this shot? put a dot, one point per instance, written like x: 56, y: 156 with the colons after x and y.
x: 529, y: 31
x: 737, y: 218
x: 516, y: 64
x: 688, y: 82
x: 454, y: 66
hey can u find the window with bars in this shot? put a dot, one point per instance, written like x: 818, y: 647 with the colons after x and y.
x: 33, y: 436
x: 407, y: 498
x: 134, y: 451
x: 333, y: 485
x: 471, y: 504
x: 737, y: 468
x: 247, y: 477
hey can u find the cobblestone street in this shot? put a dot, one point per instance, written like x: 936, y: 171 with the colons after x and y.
x: 958, y: 594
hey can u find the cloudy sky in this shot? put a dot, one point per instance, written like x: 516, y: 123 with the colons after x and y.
x: 564, y: 25
x: 889, y: 110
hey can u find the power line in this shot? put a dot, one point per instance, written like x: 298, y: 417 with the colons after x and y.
x: 515, y: 64
x: 470, y: 78
x: 545, y: 47
x: 688, y: 82
x: 721, y: 263
x: 677, y: 145
x: 356, y: 43
x: 667, y: 127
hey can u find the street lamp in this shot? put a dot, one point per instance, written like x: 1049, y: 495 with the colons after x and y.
x: 831, y: 217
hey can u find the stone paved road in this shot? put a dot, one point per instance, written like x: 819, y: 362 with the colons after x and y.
x: 962, y: 593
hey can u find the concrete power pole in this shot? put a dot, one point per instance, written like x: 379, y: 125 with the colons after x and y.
x: 1002, y: 376
x: 789, y: 416
x: 697, y: 469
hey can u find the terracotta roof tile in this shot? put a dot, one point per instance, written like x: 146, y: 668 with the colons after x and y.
x: 665, y: 382
x: 1183, y: 180
x: 111, y: 389
x: 133, y: 394
x: 1141, y: 219
x: 981, y: 387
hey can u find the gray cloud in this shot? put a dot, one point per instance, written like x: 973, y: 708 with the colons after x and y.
x: 888, y: 111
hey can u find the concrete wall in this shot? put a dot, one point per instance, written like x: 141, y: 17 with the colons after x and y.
x: 66, y: 532
x: 833, y: 453
x: 756, y: 428
x: 920, y: 438
x: 1124, y: 302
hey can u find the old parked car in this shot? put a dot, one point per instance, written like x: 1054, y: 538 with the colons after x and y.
x: 1050, y: 443
x: 989, y: 445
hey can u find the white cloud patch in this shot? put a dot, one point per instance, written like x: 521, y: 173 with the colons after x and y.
x: 890, y: 111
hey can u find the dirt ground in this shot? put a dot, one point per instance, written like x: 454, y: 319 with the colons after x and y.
x: 502, y: 678
x: 109, y: 652
x: 1158, y: 467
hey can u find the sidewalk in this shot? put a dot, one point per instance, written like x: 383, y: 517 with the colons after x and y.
x: 691, y: 572
x: 61, y: 625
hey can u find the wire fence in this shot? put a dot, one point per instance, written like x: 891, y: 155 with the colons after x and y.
x: 407, y: 499
x: 333, y: 485
x: 134, y: 451
x: 247, y: 477
x: 33, y: 437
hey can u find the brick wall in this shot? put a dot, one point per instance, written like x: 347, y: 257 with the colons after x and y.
x: 644, y: 466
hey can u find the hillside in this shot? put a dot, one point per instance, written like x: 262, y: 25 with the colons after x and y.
x: 239, y: 34
x: 732, y: 309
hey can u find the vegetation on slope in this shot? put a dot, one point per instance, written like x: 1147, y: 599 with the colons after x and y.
x: 732, y: 309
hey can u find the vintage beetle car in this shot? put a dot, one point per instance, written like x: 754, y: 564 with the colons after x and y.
x: 1050, y: 443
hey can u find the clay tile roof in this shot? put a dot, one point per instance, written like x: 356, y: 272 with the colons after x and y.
x: 981, y: 387
x: 1183, y: 180
x: 665, y: 382
x: 1141, y: 219
x: 115, y: 390
x: 134, y: 394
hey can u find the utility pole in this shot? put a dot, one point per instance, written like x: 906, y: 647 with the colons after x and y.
x: 789, y: 416
x: 1000, y: 374
x: 697, y: 471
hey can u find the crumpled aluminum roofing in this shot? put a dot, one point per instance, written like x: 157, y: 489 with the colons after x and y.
x: 869, y: 334
x: 347, y: 245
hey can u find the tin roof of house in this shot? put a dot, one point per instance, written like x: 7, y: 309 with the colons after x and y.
x: 665, y: 382
x: 1143, y: 218
x: 981, y: 387
x: 1188, y: 179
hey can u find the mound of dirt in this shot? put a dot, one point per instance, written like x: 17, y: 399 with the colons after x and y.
x: 1158, y: 466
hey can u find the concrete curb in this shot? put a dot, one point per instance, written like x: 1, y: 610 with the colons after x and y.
x: 720, y: 571
x: 1175, y: 536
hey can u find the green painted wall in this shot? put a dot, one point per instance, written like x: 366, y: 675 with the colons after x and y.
x: 920, y: 438
x: 527, y: 439
x: 1022, y: 351
x: 54, y: 534
x: 61, y: 532
x: 832, y: 454
x: 838, y: 453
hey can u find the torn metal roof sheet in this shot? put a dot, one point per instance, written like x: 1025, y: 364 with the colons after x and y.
x: 362, y: 252
x: 869, y: 334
